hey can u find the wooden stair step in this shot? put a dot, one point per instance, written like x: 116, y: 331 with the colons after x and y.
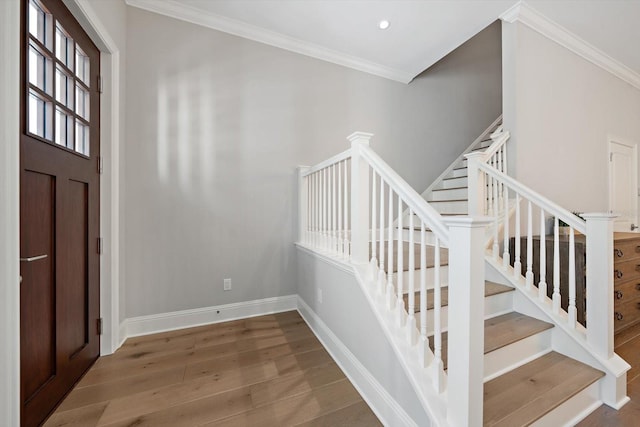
x: 490, y: 288
x: 501, y: 331
x: 525, y: 394
x: 430, y: 255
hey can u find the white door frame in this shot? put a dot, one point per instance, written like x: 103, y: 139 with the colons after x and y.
x: 10, y: 195
x: 634, y: 147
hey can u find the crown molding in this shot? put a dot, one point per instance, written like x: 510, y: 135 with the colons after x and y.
x: 525, y: 14
x: 197, y: 16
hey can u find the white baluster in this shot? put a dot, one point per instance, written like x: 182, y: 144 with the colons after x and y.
x: 316, y: 210
x: 382, y: 280
x: 424, y: 341
x: 500, y: 184
x: 400, y: 270
x: 437, y: 366
x: 505, y: 170
x: 340, y: 242
x: 505, y: 232
x: 347, y: 211
x: 324, y: 208
x: 542, y: 284
x: 517, y: 265
x: 334, y: 217
x: 411, y: 320
x: 390, y: 290
x: 572, y: 311
x: 556, y: 268
x: 496, y: 223
x: 529, y: 275
x: 373, y: 264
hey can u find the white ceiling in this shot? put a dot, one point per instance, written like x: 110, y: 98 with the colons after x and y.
x: 421, y: 31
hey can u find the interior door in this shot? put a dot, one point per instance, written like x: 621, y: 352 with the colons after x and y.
x: 59, y: 206
x: 623, y: 183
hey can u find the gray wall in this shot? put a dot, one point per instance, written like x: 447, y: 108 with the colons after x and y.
x: 216, y: 125
x: 562, y: 110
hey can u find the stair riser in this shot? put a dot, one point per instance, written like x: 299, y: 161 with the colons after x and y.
x: 454, y: 194
x: 493, y: 306
x: 461, y: 207
x: 430, y: 273
x: 456, y: 173
x: 430, y: 238
x: 517, y: 354
x: 574, y: 410
x: 456, y: 182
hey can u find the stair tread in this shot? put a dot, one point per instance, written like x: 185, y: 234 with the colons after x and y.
x: 444, y: 256
x: 525, y: 394
x: 490, y: 288
x: 454, y: 177
x: 447, y: 189
x: 501, y: 331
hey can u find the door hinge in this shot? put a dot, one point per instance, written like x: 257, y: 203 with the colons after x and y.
x: 99, y: 326
x: 100, y: 164
x: 611, y: 157
x: 100, y: 84
x: 100, y: 245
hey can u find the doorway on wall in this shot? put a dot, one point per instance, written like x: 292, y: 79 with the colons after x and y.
x: 59, y: 206
x: 623, y: 184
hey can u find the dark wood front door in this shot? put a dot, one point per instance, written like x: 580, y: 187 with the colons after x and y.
x: 59, y: 206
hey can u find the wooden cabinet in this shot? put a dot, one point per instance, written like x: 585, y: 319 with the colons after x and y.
x: 626, y: 280
x: 580, y: 257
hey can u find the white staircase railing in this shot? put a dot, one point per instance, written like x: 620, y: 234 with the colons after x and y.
x: 348, y: 209
x: 491, y: 192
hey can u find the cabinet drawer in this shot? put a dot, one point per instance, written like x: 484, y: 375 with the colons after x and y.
x: 626, y: 250
x: 626, y: 314
x: 626, y: 291
x: 626, y: 271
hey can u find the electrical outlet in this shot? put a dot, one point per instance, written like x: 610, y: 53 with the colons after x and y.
x: 227, y: 284
x: 320, y: 295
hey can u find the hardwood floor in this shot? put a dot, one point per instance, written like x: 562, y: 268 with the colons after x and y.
x: 627, y: 345
x: 268, y: 371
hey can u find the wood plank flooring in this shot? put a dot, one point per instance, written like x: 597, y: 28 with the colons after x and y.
x: 627, y: 346
x: 268, y: 371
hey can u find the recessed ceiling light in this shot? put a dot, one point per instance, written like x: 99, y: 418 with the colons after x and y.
x: 384, y: 24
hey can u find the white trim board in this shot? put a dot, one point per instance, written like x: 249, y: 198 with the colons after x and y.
x: 380, y: 401
x: 242, y: 29
x: 110, y: 143
x: 155, y: 323
x: 9, y: 213
x: 525, y: 14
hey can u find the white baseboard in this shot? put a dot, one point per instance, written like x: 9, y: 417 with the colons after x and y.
x: 145, y: 325
x: 386, y: 408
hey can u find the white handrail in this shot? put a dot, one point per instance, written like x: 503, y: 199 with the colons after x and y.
x: 549, y: 206
x: 330, y: 161
x: 420, y: 207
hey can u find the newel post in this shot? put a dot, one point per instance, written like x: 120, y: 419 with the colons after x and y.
x: 466, y: 320
x: 476, y: 185
x: 600, y: 282
x: 303, y: 205
x: 359, y: 198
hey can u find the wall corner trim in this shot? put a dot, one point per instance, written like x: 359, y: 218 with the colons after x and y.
x: 163, y: 322
x: 525, y: 14
x: 380, y: 401
x: 203, y: 18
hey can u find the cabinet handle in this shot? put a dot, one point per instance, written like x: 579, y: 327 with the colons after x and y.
x: 618, y: 274
x: 619, y: 295
x: 618, y: 253
x: 619, y: 316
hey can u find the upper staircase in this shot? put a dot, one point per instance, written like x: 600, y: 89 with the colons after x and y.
x: 481, y: 341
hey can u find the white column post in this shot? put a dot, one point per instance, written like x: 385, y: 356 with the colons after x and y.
x: 600, y: 282
x: 303, y: 201
x: 466, y: 320
x: 359, y: 198
x: 476, y: 184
